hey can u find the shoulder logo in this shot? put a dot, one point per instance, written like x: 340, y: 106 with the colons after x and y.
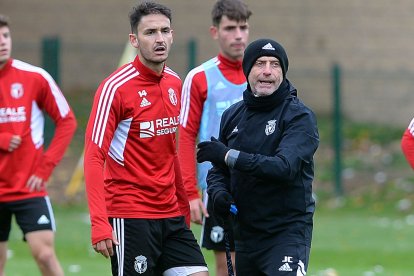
x: 268, y: 46
x: 270, y: 127
x: 235, y: 130
x: 140, y: 264
x: 16, y: 90
x: 172, y: 96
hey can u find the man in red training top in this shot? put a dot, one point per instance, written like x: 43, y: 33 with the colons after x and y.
x: 133, y: 181
x: 26, y: 91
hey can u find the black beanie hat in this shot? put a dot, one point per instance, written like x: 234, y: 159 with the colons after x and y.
x: 264, y: 47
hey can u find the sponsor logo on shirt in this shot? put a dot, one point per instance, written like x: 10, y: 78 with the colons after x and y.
x: 12, y: 114
x: 158, y: 127
x: 16, y: 90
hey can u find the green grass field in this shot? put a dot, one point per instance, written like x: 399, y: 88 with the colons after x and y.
x: 350, y: 241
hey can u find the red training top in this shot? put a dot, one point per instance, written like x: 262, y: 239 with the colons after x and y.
x: 25, y: 92
x: 131, y: 164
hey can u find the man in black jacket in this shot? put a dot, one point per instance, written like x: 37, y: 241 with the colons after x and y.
x: 263, y: 163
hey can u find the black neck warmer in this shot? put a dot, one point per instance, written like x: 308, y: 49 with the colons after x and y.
x: 266, y: 103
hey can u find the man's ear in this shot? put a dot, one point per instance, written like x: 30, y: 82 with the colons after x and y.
x: 133, y: 40
x: 214, y: 32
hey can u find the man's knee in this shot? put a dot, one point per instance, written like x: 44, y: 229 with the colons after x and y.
x: 45, y: 257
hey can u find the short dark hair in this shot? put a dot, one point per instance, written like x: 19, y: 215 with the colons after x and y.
x: 4, y: 20
x: 146, y: 8
x: 234, y: 9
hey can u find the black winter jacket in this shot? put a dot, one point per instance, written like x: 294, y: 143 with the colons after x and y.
x: 271, y: 181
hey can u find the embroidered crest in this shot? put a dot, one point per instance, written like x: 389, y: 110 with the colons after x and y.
x: 140, y: 264
x: 217, y: 234
x: 173, y: 97
x: 270, y: 127
x: 16, y: 90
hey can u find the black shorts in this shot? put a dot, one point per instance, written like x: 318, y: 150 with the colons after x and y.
x: 31, y: 214
x: 212, y: 232
x: 286, y: 260
x: 153, y: 246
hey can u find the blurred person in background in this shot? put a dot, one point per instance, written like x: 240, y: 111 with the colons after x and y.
x: 263, y: 163
x: 207, y: 91
x: 26, y: 91
x: 136, y: 197
x: 407, y: 143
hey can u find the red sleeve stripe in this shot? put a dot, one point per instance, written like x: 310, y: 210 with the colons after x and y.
x: 105, y: 101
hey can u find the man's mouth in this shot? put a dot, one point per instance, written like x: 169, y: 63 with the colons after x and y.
x: 160, y: 48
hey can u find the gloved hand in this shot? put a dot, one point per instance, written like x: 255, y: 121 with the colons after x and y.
x: 213, y: 151
x: 221, y: 203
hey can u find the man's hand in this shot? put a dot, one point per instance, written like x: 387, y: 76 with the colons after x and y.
x: 36, y: 183
x: 213, y: 151
x: 105, y: 247
x: 15, y: 142
x: 197, y: 210
x: 222, y: 201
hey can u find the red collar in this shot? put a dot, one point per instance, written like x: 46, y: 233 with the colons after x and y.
x: 230, y: 63
x: 146, y: 72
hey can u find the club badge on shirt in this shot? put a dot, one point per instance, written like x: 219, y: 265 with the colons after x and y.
x: 16, y: 90
x: 172, y: 96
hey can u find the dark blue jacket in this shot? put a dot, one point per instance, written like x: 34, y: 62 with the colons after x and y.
x: 271, y: 181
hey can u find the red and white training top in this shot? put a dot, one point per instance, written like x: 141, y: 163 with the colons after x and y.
x: 130, y: 148
x: 407, y: 143
x: 194, y: 96
x: 26, y: 91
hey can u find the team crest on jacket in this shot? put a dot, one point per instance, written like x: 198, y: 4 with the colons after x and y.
x: 16, y: 90
x: 270, y: 127
x: 173, y: 96
x: 140, y: 264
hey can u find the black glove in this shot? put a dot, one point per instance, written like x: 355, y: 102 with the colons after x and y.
x: 221, y: 203
x: 213, y: 151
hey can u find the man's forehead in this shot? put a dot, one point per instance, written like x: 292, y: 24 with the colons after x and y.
x: 267, y: 58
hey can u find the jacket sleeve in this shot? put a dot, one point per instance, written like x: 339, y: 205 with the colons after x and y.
x: 98, y: 136
x: 407, y: 146
x: 52, y: 101
x: 298, y: 144
x: 192, y: 99
x: 180, y: 193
